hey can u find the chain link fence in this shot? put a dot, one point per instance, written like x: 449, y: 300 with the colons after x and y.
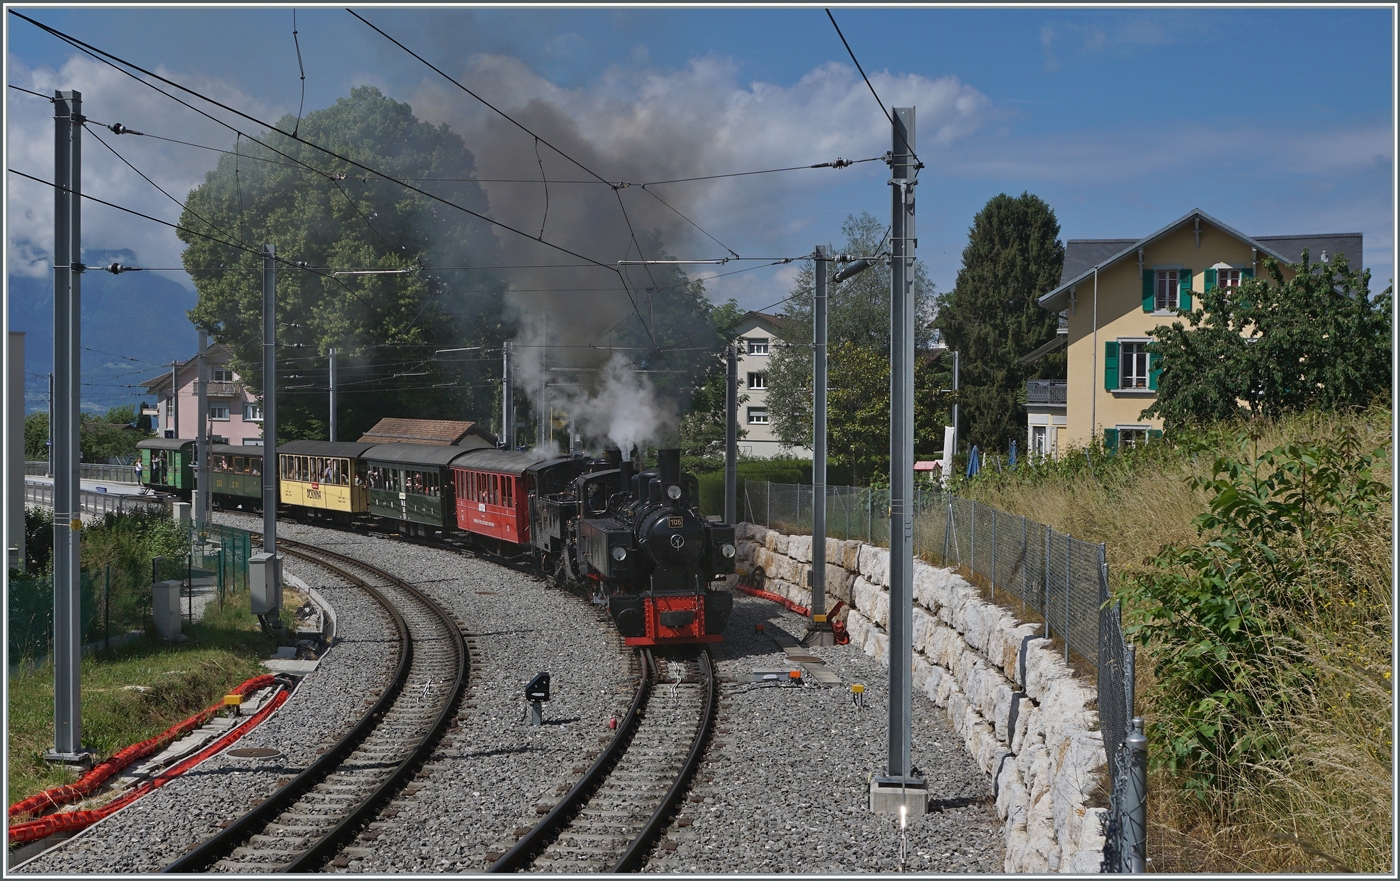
x: 116, y: 600
x: 1061, y: 579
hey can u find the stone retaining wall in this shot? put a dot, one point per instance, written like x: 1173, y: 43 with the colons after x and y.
x: 1031, y: 725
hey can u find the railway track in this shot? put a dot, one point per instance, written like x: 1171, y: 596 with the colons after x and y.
x: 300, y: 826
x: 610, y: 820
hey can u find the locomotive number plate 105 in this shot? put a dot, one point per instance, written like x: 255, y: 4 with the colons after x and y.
x: 675, y: 522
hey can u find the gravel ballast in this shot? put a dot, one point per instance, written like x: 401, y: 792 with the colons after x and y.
x: 156, y: 829
x: 784, y: 787
x: 787, y: 778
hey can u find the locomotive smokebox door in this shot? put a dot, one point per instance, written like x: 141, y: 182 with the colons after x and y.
x: 538, y: 689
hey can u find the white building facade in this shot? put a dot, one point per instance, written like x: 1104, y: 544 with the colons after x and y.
x: 758, y: 337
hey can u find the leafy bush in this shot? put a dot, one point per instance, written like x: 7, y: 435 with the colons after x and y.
x: 1224, y: 617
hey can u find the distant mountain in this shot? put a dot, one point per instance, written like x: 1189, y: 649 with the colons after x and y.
x: 133, y: 326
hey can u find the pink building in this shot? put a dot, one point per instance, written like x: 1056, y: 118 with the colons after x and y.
x: 234, y: 417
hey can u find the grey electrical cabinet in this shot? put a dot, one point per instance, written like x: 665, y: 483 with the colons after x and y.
x: 265, y: 583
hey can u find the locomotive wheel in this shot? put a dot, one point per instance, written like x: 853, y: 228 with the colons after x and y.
x: 560, y: 575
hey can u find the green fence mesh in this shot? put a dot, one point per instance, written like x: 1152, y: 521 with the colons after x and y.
x: 117, y: 599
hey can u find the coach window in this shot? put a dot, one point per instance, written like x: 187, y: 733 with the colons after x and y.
x: 255, y: 466
x: 508, y: 492
x: 360, y: 476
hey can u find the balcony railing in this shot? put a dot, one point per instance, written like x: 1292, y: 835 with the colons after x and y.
x: 222, y: 389
x: 1045, y: 391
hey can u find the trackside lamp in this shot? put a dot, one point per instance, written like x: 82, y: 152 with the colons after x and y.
x: 538, y: 689
x: 537, y: 692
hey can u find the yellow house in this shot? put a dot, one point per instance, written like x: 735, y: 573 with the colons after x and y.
x: 1116, y: 290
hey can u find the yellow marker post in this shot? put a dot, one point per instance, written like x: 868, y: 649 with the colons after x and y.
x: 234, y: 703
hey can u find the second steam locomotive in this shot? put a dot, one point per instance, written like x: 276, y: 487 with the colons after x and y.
x: 634, y: 537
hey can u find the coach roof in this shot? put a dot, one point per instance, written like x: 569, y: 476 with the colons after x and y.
x: 164, y: 443
x: 339, y: 449
x: 414, y: 454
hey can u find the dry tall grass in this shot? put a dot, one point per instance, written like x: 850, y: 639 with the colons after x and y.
x: 1325, y: 802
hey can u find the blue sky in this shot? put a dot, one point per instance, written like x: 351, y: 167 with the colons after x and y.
x: 1275, y: 120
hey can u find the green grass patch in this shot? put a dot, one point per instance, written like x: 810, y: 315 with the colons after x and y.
x: 173, y: 681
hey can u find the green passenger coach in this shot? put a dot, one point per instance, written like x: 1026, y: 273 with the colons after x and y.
x: 236, y: 476
x: 167, y: 465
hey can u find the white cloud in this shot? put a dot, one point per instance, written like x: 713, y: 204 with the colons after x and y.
x: 111, y: 97
x: 640, y: 125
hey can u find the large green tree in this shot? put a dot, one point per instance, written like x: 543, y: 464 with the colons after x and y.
x: 112, y: 435
x: 1013, y: 256
x: 701, y: 431
x: 858, y: 313
x: 325, y: 215
x: 1274, y: 345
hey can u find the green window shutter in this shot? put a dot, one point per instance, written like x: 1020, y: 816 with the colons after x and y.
x: 1183, y: 290
x: 1149, y: 294
x: 1210, y: 280
x: 1247, y: 272
x: 1154, y: 433
x: 1110, y: 440
x: 1153, y: 371
x: 1110, y: 365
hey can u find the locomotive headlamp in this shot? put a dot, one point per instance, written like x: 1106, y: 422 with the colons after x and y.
x: 727, y: 549
x: 673, y: 492
x: 619, y: 553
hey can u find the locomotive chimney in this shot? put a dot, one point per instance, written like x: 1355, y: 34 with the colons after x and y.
x: 614, y: 457
x: 668, y: 462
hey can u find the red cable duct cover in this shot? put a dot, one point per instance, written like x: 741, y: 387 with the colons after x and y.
x: 73, y: 821
x: 90, y: 782
x: 763, y: 594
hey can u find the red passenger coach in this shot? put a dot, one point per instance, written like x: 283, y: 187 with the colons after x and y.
x: 491, y: 497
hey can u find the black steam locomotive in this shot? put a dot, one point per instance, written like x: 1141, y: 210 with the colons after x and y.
x: 641, y: 538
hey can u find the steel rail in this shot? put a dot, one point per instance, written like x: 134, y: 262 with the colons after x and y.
x: 547, y: 829
x: 633, y: 857
x: 215, y: 848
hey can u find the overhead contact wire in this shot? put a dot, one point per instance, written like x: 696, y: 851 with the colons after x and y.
x: 93, y: 49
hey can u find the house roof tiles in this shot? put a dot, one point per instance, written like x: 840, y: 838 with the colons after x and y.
x: 1082, y: 256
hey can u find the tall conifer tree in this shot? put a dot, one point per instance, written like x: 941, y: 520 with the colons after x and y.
x: 1013, y: 256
